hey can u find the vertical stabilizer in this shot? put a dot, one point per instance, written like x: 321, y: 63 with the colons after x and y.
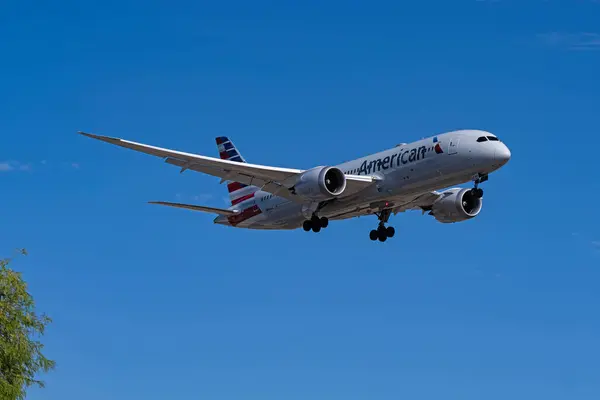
x: 238, y: 192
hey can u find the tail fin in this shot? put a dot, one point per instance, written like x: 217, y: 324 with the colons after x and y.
x: 238, y: 192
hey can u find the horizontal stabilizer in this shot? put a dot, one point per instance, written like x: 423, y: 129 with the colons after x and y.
x: 213, y: 210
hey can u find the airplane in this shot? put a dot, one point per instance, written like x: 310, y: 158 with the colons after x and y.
x: 406, y: 177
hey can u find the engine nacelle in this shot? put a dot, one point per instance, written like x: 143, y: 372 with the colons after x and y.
x: 320, y: 183
x: 456, y: 205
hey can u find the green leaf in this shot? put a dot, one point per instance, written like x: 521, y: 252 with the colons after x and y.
x: 21, y: 357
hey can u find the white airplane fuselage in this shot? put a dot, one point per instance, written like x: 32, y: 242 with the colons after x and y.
x: 404, y: 173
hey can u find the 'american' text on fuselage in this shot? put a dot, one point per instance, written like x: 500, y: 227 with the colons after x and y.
x: 406, y: 157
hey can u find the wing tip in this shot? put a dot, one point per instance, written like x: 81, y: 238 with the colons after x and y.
x: 99, y: 137
x: 91, y: 135
x: 220, y: 211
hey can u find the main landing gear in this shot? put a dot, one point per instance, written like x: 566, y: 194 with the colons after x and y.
x: 315, y: 223
x: 382, y: 233
x: 476, y: 191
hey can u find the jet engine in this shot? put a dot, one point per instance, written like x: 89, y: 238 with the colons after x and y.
x: 456, y: 205
x: 320, y: 183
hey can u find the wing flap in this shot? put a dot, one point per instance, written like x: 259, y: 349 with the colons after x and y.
x: 212, y: 210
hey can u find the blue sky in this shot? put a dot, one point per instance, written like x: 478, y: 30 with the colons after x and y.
x: 159, y: 303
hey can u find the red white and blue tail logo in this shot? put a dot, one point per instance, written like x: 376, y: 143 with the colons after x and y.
x: 238, y: 192
x: 437, y: 147
x: 227, y: 150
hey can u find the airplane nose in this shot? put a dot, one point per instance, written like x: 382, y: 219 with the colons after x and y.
x: 502, y: 154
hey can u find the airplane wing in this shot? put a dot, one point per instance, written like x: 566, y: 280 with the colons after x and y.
x: 213, y: 210
x: 422, y: 202
x: 271, y: 179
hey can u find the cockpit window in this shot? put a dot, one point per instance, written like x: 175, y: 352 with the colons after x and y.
x: 482, y: 139
x: 493, y: 138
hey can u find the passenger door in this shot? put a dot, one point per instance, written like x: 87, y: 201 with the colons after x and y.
x: 453, y: 146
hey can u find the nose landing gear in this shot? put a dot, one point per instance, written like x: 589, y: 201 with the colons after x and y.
x: 382, y: 233
x: 476, y: 191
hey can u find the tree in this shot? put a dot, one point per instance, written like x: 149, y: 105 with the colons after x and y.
x: 21, y: 358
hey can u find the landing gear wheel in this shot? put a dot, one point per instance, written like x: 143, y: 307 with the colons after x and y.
x: 307, y: 226
x: 477, y: 192
x: 315, y: 224
x: 373, y: 235
x: 382, y: 233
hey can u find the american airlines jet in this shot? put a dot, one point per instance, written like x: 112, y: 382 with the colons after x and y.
x: 406, y: 177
